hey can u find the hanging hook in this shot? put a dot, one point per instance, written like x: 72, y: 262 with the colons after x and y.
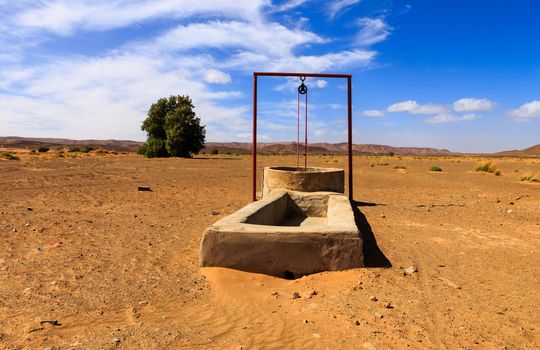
x: 302, y: 89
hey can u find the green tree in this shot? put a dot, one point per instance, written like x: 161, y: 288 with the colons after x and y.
x: 173, y: 129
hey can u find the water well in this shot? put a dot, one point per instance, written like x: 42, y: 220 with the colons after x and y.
x: 289, y: 231
x: 302, y: 224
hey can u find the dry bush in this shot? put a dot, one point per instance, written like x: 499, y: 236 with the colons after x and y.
x: 488, y: 167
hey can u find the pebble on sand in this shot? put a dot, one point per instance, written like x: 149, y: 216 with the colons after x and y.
x: 410, y: 270
x: 296, y: 295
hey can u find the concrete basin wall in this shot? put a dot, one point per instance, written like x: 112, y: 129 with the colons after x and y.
x: 250, y: 240
x: 296, y: 179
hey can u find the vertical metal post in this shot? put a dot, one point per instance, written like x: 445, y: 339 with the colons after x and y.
x: 254, y: 143
x: 349, y: 148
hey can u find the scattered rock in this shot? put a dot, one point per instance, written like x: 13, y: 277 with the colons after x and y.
x: 378, y: 314
x: 389, y: 306
x: 305, y: 321
x: 275, y: 293
x: 383, y: 216
x: 52, y: 322
x: 357, y: 323
x: 509, y: 211
x: 296, y: 295
x: 511, y: 203
x: 29, y: 209
x: 14, y: 230
x: 316, y: 335
x: 144, y: 189
x: 369, y: 346
x: 144, y: 302
x: 313, y: 293
x: 502, y: 310
x: 410, y: 270
x: 215, y: 212
x: 373, y: 298
x: 449, y: 283
x: 26, y: 225
x: 116, y: 340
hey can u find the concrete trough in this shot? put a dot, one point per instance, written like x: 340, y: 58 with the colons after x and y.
x: 287, y: 233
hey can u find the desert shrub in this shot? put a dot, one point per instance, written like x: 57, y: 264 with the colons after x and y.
x: 435, y: 168
x: 529, y: 177
x: 214, y: 151
x: 8, y: 156
x: 42, y: 149
x: 487, y: 167
x: 86, y: 149
x: 74, y: 149
x: 497, y: 173
x: 400, y: 167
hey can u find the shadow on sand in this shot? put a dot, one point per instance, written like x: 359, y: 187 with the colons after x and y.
x: 373, y: 255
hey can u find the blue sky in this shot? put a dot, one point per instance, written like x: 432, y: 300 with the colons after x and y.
x: 462, y: 75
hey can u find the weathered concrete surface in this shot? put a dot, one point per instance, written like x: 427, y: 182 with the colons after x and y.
x: 311, y: 180
x: 253, y: 240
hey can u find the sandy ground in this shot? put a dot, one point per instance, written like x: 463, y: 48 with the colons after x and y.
x: 89, y: 262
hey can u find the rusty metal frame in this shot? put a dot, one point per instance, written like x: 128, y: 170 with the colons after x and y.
x: 349, y: 118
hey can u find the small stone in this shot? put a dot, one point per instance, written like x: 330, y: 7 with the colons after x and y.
x: 357, y: 323
x: 14, y: 230
x: 275, y: 293
x: 26, y: 225
x: 313, y: 293
x: 215, y: 212
x: 116, y: 340
x: 388, y: 306
x: 144, y: 189
x: 373, y: 298
x: 29, y: 209
x: 296, y: 295
x: 511, y: 203
x: 144, y: 302
x: 509, y: 211
x: 383, y: 216
x: 369, y: 346
x: 378, y: 314
x: 410, y: 270
x: 316, y: 335
x: 305, y: 321
x: 54, y: 283
x: 502, y: 310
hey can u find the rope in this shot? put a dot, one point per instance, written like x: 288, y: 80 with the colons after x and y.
x: 298, y: 136
x: 306, y: 143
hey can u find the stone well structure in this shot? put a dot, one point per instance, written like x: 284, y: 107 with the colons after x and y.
x: 303, y: 224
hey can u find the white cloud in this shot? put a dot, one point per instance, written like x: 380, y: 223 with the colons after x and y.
x: 272, y: 39
x: 373, y: 30
x: 289, y: 5
x: 215, y: 76
x: 474, y: 105
x: 65, y: 17
x: 373, y: 113
x: 338, y: 6
x: 527, y: 111
x: 450, y: 118
x: 321, y: 83
x: 413, y: 107
x: 107, y: 95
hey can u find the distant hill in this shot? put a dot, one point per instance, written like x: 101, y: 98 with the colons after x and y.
x: 533, y: 151
x: 31, y: 142
x: 324, y: 148
x: 228, y: 147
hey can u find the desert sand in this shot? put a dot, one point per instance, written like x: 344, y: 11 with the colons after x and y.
x: 89, y: 262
